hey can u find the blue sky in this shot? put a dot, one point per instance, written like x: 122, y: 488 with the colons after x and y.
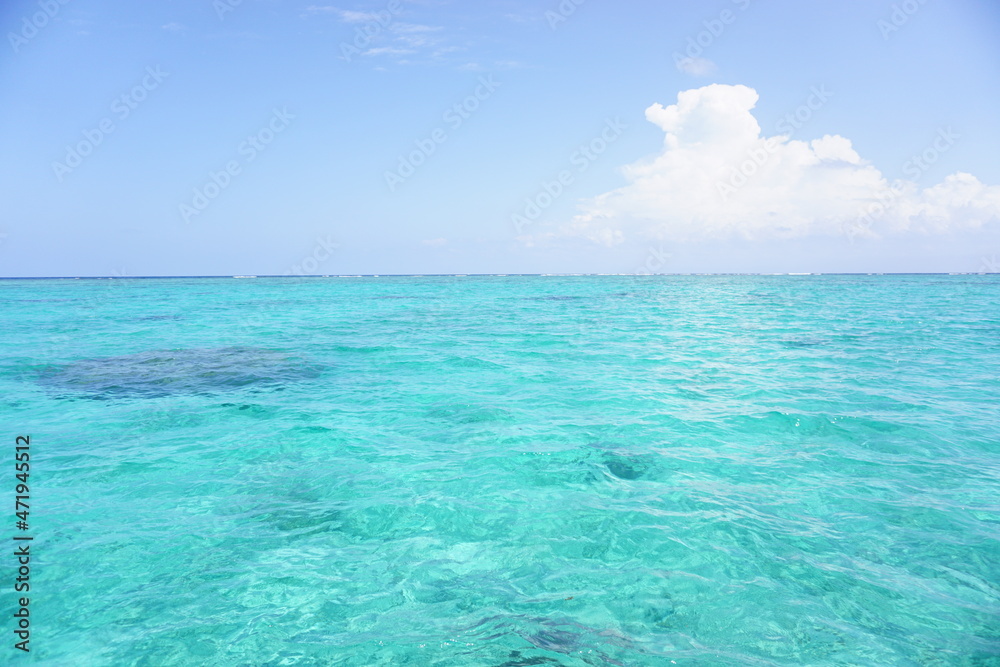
x: 194, y: 137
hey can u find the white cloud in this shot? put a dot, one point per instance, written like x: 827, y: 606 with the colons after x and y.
x: 719, y: 177
x: 518, y: 18
x: 435, y: 243
x: 349, y: 16
x: 415, y: 35
x: 173, y: 27
x: 696, y: 66
x: 414, y: 27
x: 387, y: 51
x: 391, y: 37
x: 345, y: 15
x: 496, y: 65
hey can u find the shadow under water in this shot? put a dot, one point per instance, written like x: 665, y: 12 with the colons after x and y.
x: 159, y: 373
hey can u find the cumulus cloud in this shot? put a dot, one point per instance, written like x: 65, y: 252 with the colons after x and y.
x: 719, y: 177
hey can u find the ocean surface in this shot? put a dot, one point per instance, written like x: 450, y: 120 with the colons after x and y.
x: 507, y: 470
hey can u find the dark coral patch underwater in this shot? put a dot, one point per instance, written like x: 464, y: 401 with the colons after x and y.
x: 159, y: 373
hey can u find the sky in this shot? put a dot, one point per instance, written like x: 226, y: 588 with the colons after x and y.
x: 273, y: 137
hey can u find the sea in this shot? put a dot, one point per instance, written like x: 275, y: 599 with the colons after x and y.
x: 504, y: 471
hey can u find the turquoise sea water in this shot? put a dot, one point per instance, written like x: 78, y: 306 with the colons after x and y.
x: 703, y: 470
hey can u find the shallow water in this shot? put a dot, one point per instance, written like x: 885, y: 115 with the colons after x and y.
x: 709, y: 470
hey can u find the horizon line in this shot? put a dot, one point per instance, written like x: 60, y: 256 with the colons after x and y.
x: 512, y: 275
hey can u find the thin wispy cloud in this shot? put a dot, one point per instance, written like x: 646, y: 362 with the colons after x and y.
x: 445, y: 50
x: 345, y: 15
x: 534, y: 18
x: 389, y: 37
x: 414, y: 27
x: 696, y: 66
x: 518, y: 18
x: 416, y: 36
x: 497, y: 65
x: 348, y: 16
x: 388, y: 51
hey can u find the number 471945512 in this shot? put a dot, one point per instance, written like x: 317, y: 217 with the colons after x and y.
x: 22, y: 459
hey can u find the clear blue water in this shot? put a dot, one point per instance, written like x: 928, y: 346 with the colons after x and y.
x: 717, y: 470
